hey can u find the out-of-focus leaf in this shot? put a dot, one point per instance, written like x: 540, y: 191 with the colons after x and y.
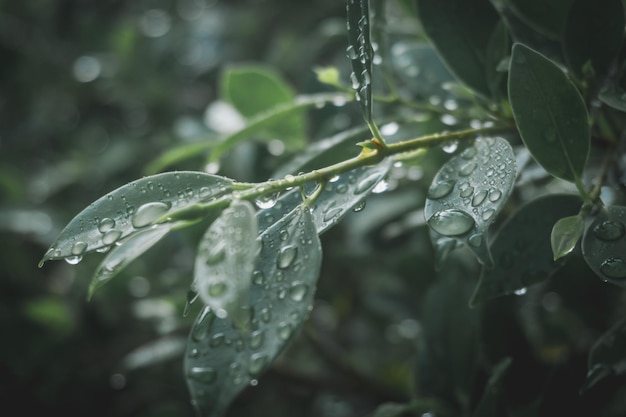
x: 225, y: 260
x: 565, y: 234
x: 468, y: 192
x: 125, y: 251
x: 604, y: 245
x: 545, y: 16
x: 133, y: 207
x: 360, y: 54
x: 461, y: 32
x: 499, y: 49
x: 607, y: 356
x: 221, y: 360
x: 488, y: 405
x: 521, y: 248
x: 550, y: 114
x: 593, y: 34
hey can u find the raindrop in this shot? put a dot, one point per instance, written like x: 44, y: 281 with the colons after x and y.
x: 258, y: 277
x: 609, y: 230
x: 149, y: 213
x: 217, y: 289
x: 257, y: 363
x: 487, y: 214
x: 351, y: 52
x: 467, y: 191
x: 266, y: 201
x: 203, y: 374
x: 467, y: 169
x: 106, y: 224
x: 216, y: 254
x: 479, y: 197
x: 103, y: 249
x: 79, y: 248
x: 367, y: 183
x: 381, y: 187
x: 367, y: 79
x: 298, y: 291
x: 390, y: 129
x: 354, y: 81
x: 111, y: 236
x: 450, y: 147
x: 286, y: 256
x: 440, y: 189
x: 266, y: 315
x: 494, y: 195
x: 520, y: 291
x: 475, y: 240
x: 284, y: 330
x: 217, y: 340
x: 469, y: 152
x: 203, y: 326
x: 359, y: 207
x: 256, y: 339
x: 451, y: 222
x: 73, y: 260
x: 282, y: 293
x: 331, y: 213
x: 614, y: 268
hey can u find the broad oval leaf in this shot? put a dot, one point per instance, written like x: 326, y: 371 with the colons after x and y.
x: 360, y: 54
x: 547, y: 17
x: 461, y: 31
x: 550, y: 114
x: 593, y: 34
x: 607, y: 356
x: 468, y: 192
x: 521, y: 248
x: 225, y: 259
x: 133, y: 207
x: 565, y: 234
x: 221, y: 360
x: 604, y: 245
x: 125, y: 251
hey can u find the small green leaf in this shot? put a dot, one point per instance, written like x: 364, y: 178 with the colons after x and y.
x: 550, y: 114
x: 593, y: 33
x: 565, y: 234
x: 124, y: 252
x: 131, y: 208
x: 221, y: 359
x: 468, y: 192
x: 521, y: 248
x: 360, y: 54
x: 225, y: 260
x: 328, y: 75
x: 607, y: 357
x: 604, y: 245
x: 461, y: 31
x: 547, y: 17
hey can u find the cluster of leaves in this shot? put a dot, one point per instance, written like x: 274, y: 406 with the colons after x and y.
x: 537, y: 102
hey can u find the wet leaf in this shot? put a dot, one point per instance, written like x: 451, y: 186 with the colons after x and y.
x: 593, y: 34
x: 604, y: 245
x: 565, y: 234
x: 360, y: 54
x: 547, y: 17
x: 133, y: 207
x: 461, y: 31
x: 488, y: 405
x: 498, y: 49
x: 225, y: 260
x: 550, y: 114
x: 468, y: 192
x: 607, y: 356
x: 124, y: 252
x: 522, y: 250
x: 221, y: 360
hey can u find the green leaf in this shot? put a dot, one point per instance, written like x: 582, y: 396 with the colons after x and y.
x: 468, y: 192
x: 547, y: 17
x: 225, y: 260
x: 360, y: 54
x: 132, y: 207
x: 521, y: 249
x: 550, y: 114
x: 461, y: 31
x: 593, y: 33
x: 607, y: 357
x: 565, y: 234
x: 604, y: 245
x: 488, y: 405
x: 221, y: 359
x: 497, y: 51
x: 124, y: 252
x: 253, y: 90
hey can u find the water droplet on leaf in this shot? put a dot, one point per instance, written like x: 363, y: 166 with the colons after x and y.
x: 286, y: 256
x: 148, y: 213
x: 609, y: 230
x: 451, y: 222
x: 614, y: 268
x: 440, y: 189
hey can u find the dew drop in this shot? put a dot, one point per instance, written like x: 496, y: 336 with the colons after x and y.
x: 217, y: 339
x: 111, y: 236
x: 467, y: 168
x: 469, y: 153
x: 331, y: 213
x: 106, y: 224
x: 614, y: 268
x: 257, y: 363
x: 79, y: 248
x: 258, y: 277
x: 451, y: 222
x: 351, y: 52
x: 203, y: 326
x: 467, y: 191
x: 475, y: 240
x: 487, y: 214
x: 203, y: 374
x: 217, y: 289
x: 440, y: 189
x: 298, y: 291
x: 367, y: 183
x: 148, y: 213
x: 494, y: 195
x: 73, y: 260
x: 286, y: 256
x: 266, y: 201
x: 284, y: 330
x: 266, y: 315
x: 479, y: 197
x: 359, y: 207
x: 256, y: 339
x: 609, y: 230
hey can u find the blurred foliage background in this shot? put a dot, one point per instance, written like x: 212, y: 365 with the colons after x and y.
x: 92, y: 91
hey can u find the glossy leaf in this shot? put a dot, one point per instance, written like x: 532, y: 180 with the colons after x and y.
x: 360, y: 54
x: 545, y: 16
x: 604, y: 245
x: 593, y: 34
x: 488, y: 405
x: 461, y: 31
x: 133, y: 207
x: 124, y: 252
x: 221, y: 360
x: 498, y: 49
x: 521, y: 249
x: 565, y: 234
x: 614, y: 96
x: 607, y: 356
x: 468, y: 192
x: 225, y: 260
x: 550, y: 114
